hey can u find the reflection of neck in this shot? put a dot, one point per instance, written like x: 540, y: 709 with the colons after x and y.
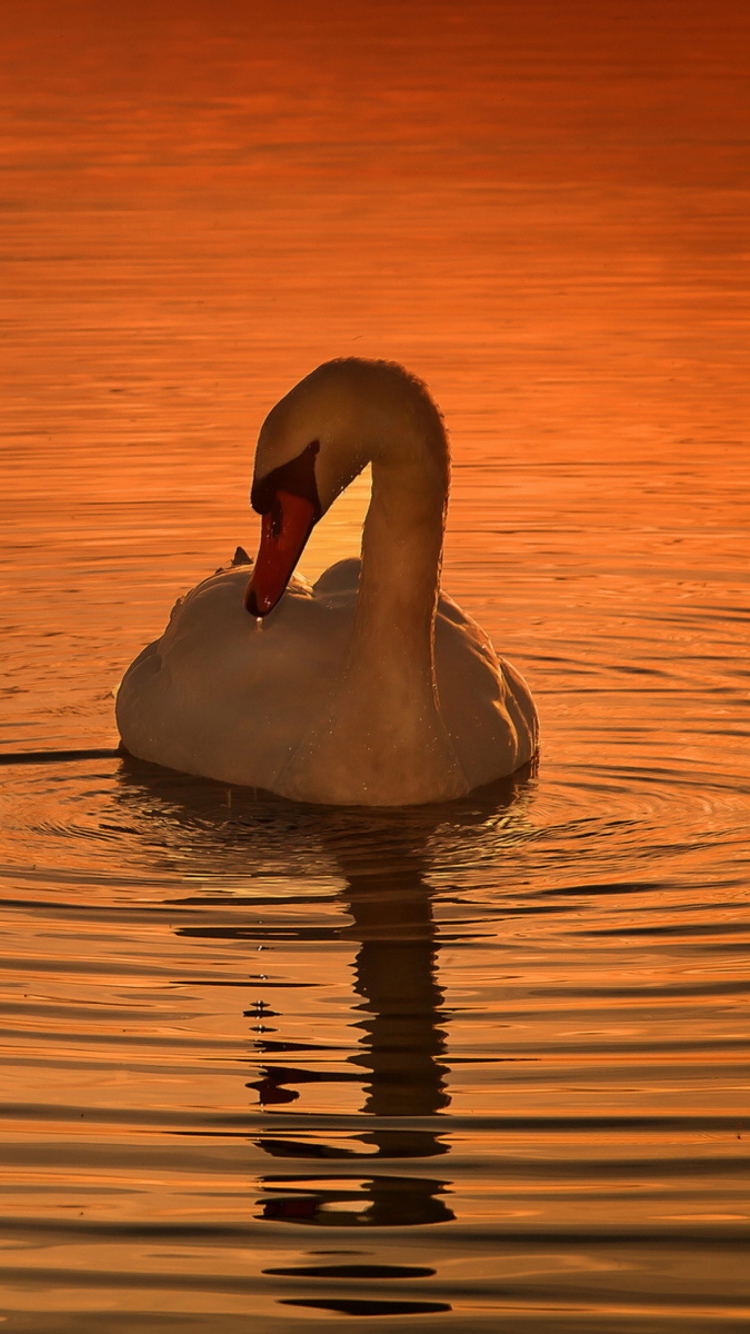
x: 396, y: 978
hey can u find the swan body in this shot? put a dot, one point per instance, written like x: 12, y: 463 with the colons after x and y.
x: 369, y: 688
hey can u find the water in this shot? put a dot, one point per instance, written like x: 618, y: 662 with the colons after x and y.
x: 468, y: 1068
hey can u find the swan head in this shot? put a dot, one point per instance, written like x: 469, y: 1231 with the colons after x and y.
x: 315, y: 441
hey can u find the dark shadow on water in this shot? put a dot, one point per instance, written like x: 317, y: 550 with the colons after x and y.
x: 362, y: 1307
x: 401, y: 1022
x: 370, y: 1175
x: 197, y: 825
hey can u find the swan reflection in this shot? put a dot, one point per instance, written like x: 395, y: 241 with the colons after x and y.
x: 343, y: 1170
x: 402, y: 1026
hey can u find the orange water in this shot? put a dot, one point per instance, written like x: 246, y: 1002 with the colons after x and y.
x: 475, y: 1068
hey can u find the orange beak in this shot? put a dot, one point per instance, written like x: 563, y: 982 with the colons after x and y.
x: 285, y: 528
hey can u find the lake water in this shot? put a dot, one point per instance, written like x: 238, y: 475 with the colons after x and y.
x: 471, y: 1068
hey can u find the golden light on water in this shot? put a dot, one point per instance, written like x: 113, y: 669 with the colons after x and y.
x: 526, y: 1017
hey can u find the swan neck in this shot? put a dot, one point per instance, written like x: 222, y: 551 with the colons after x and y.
x: 402, y: 545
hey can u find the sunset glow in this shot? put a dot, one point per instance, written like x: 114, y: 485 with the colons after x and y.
x: 242, y: 1030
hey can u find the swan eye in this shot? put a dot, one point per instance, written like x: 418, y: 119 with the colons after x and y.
x: 277, y: 518
x: 296, y: 478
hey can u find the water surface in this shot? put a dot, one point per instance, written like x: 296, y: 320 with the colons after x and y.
x: 466, y: 1068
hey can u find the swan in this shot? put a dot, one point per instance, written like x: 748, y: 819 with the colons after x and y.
x: 371, y: 688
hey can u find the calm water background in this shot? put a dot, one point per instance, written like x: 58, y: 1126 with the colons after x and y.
x: 472, y: 1068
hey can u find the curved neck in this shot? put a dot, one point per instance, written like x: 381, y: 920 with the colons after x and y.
x: 381, y: 738
x: 402, y: 544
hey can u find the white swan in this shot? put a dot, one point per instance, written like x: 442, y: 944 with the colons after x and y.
x: 370, y: 688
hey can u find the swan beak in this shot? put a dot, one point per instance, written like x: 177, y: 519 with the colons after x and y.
x: 285, y: 528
